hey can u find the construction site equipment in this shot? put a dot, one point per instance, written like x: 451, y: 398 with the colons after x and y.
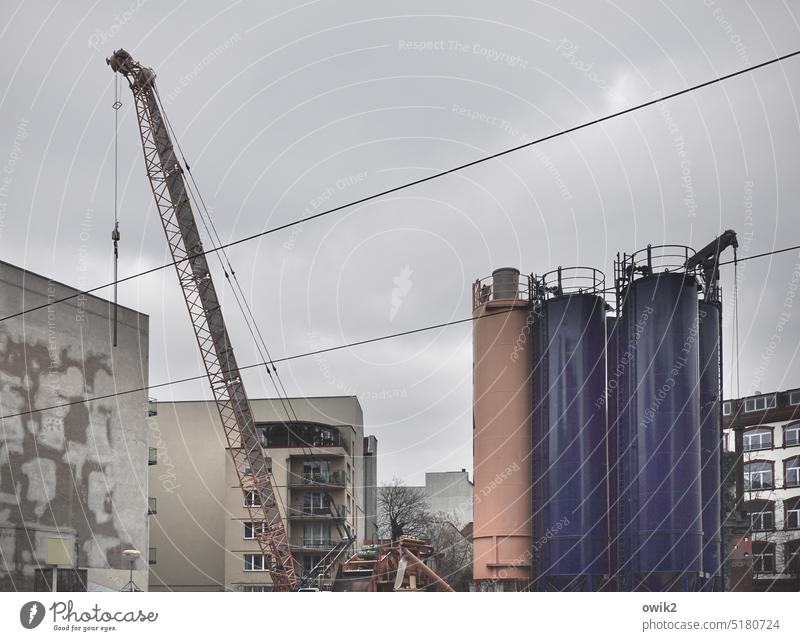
x: 177, y: 217
x: 397, y: 566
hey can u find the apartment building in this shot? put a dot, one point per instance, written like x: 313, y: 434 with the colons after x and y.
x: 765, y: 428
x: 73, y: 476
x: 324, y: 471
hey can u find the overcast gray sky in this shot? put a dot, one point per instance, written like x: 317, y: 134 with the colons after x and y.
x: 284, y: 109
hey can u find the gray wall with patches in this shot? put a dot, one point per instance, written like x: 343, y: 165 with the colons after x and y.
x: 73, y: 479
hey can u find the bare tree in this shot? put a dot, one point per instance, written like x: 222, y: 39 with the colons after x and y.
x: 402, y: 510
x: 452, y: 551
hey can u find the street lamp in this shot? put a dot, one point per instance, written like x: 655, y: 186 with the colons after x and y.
x: 130, y: 555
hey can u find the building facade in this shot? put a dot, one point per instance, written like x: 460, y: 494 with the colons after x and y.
x: 324, y: 471
x: 765, y: 429
x: 73, y: 477
x: 450, y: 493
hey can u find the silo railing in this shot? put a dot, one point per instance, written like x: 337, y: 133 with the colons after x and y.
x: 506, y: 286
x: 569, y: 280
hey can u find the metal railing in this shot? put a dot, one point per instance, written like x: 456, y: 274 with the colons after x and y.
x: 484, y: 290
x: 569, y: 280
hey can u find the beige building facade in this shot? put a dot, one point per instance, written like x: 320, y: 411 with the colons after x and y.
x: 201, y: 538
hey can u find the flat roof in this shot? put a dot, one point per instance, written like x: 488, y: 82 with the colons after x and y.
x: 77, y: 291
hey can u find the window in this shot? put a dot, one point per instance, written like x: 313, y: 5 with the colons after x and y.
x: 757, y: 439
x: 255, y: 587
x: 726, y: 408
x: 151, y: 556
x: 256, y: 563
x: 791, y: 472
x: 316, y: 503
x: 251, y: 529
x: 792, y: 514
x: 794, y: 397
x: 310, y: 561
x: 791, y: 556
x: 315, y: 534
x: 758, y: 475
x: 791, y: 434
x: 152, y: 455
x: 152, y: 505
x: 316, y: 471
x: 759, y: 403
x: 762, y: 515
x: 763, y: 557
x: 252, y: 499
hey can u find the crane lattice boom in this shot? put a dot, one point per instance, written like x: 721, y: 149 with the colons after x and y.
x: 174, y: 208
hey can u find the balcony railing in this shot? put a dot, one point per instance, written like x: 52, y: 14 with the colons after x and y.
x: 318, y: 544
x: 334, y: 478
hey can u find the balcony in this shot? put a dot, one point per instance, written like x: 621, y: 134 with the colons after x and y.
x: 331, y: 480
x: 315, y: 513
x: 316, y: 544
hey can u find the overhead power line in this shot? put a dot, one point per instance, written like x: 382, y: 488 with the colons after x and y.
x: 188, y: 379
x: 419, y: 181
x: 315, y: 352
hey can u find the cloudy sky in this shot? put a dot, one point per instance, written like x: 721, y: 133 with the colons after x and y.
x: 285, y: 109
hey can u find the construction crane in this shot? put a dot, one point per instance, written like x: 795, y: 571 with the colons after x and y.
x: 178, y: 220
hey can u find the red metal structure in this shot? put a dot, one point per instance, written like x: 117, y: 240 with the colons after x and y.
x: 178, y: 220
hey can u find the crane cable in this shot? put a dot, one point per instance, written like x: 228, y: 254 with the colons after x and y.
x: 115, y: 233
x: 253, y: 328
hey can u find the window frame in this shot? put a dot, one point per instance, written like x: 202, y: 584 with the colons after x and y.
x: 794, y: 426
x: 253, y: 529
x: 748, y: 486
x: 729, y: 406
x: 250, y: 497
x: 762, y: 430
x: 791, y: 507
x: 794, y: 397
x: 786, y: 468
x: 769, y: 400
x: 766, y: 552
x: 265, y: 562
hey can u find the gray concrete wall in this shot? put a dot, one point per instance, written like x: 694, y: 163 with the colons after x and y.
x: 73, y: 477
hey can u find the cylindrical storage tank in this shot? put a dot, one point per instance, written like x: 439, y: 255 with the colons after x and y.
x: 711, y: 442
x: 501, y: 432
x: 658, y: 445
x: 570, y: 548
